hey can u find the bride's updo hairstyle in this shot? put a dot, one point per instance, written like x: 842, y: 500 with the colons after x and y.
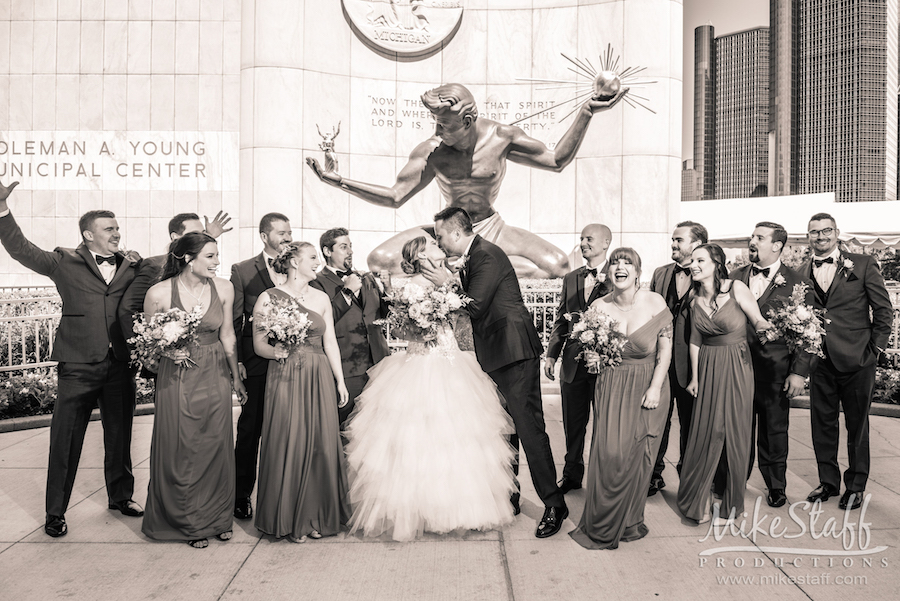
x: 411, y: 250
x: 282, y: 262
x: 182, y: 251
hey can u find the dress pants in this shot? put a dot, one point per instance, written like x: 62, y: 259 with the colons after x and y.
x: 249, y: 429
x: 355, y: 385
x: 110, y: 386
x: 685, y: 402
x: 520, y: 385
x: 577, y: 399
x: 771, y: 416
x: 830, y: 390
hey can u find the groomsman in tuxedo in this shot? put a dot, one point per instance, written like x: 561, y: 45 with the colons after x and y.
x: 357, y: 300
x: 251, y: 278
x: 850, y: 287
x: 91, y: 353
x: 673, y: 282
x: 580, y: 288
x: 778, y: 374
x: 151, y: 268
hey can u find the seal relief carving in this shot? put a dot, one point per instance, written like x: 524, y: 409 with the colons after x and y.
x: 406, y: 27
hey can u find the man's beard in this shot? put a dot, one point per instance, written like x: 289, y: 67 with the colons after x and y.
x: 348, y: 264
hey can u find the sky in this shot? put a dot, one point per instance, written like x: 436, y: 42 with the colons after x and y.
x: 727, y: 16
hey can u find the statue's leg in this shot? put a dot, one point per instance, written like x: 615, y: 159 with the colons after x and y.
x: 387, y: 256
x: 531, y: 255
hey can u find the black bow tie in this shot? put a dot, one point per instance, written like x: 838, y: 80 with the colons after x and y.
x: 101, y: 260
x: 590, y: 271
x: 685, y: 270
x: 820, y: 262
x: 754, y: 270
x: 270, y: 260
x: 343, y: 274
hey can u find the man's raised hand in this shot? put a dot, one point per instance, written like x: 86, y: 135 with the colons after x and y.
x: 6, y: 191
x: 216, y: 227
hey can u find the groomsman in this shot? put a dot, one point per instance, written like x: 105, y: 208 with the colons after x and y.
x: 357, y: 300
x: 673, y: 282
x: 251, y: 278
x: 151, y: 268
x: 850, y: 287
x: 91, y: 353
x: 778, y: 374
x: 580, y: 288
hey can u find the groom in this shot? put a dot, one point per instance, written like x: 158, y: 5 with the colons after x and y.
x: 507, y: 346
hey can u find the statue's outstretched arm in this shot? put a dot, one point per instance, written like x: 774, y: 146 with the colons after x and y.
x: 415, y: 175
x: 528, y: 151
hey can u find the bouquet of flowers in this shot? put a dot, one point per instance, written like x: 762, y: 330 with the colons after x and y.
x: 601, y: 342
x: 801, y: 325
x: 284, y: 321
x: 163, y: 332
x: 420, y: 312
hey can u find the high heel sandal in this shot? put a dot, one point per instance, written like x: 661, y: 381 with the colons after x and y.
x: 200, y: 543
x: 227, y: 535
x: 293, y: 539
x: 315, y: 535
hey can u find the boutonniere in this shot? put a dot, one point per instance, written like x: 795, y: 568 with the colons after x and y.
x: 779, y: 280
x: 132, y: 256
x: 460, y: 263
x: 847, y: 266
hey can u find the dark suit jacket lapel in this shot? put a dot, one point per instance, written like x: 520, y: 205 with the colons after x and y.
x: 667, y: 278
x: 768, y: 291
x: 839, y: 275
x: 90, y: 262
x: 579, y: 289
x: 122, y: 265
x: 264, y: 270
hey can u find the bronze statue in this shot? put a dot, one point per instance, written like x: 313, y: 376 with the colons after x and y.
x: 327, y: 146
x: 467, y: 156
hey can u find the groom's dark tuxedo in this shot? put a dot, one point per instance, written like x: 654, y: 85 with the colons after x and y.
x: 772, y: 364
x: 508, y: 348
x: 92, y: 364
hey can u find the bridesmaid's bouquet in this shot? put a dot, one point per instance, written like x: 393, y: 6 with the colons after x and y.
x: 284, y: 321
x: 601, y: 342
x: 801, y: 325
x: 162, y: 333
x: 420, y: 312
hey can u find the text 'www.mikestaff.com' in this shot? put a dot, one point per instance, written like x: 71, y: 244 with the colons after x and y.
x: 809, y: 578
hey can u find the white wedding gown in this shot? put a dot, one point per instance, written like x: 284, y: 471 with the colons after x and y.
x: 427, y: 449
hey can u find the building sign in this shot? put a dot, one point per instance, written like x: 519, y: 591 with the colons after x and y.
x: 407, y: 27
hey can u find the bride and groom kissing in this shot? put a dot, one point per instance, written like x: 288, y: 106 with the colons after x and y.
x: 459, y: 473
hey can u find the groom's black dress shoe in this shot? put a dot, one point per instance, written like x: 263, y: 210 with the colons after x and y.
x: 55, y: 526
x: 656, y: 484
x: 851, y: 498
x: 565, y: 485
x: 242, y: 509
x: 552, y: 521
x: 776, y: 497
x: 129, y: 508
x: 514, y: 501
x: 822, y: 493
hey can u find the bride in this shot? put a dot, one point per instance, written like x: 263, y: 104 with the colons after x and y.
x: 427, y: 447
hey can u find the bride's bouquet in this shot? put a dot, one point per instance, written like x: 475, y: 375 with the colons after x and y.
x: 420, y: 312
x: 601, y: 342
x: 162, y: 333
x: 801, y: 325
x: 284, y: 321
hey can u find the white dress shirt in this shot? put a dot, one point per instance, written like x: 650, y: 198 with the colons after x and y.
x: 759, y: 283
x: 825, y: 273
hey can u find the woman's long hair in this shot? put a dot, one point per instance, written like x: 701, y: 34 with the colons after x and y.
x: 411, y: 250
x: 630, y: 255
x: 182, y: 251
x: 282, y: 262
x: 720, y: 273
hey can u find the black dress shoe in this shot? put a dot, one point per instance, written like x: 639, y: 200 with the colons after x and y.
x: 565, y: 485
x: 552, y: 521
x: 822, y: 493
x: 55, y: 526
x: 656, y: 484
x: 129, y: 508
x: 776, y: 497
x: 856, y: 495
x: 242, y: 509
x: 514, y: 501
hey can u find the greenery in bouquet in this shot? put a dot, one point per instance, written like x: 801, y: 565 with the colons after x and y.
x: 420, y: 312
x: 601, y: 341
x: 800, y: 325
x: 284, y: 322
x: 164, y: 333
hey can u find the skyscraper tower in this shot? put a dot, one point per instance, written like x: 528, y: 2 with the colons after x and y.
x: 784, y: 96
x: 705, y: 110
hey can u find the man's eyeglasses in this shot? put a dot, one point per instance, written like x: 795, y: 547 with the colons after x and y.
x: 824, y: 231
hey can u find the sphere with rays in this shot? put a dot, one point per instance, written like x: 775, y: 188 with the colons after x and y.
x: 606, y: 85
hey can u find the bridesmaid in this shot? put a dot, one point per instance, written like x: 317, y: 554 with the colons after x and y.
x: 631, y: 405
x: 718, y: 448
x: 191, y: 491
x: 302, y: 488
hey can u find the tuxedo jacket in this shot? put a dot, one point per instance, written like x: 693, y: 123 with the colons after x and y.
x: 148, y: 273
x: 571, y: 301
x: 502, y: 327
x: 852, y: 335
x: 360, y: 339
x: 681, y: 324
x: 250, y: 278
x: 90, y: 322
x: 771, y: 361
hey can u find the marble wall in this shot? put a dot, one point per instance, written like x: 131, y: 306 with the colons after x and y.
x: 136, y: 75
x: 303, y: 65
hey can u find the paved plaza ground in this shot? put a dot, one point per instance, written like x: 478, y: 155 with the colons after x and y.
x: 105, y: 556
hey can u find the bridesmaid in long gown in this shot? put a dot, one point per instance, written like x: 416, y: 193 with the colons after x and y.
x: 191, y: 491
x: 630, y: 409
x: 718, y: 447
x: 302, y: 488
